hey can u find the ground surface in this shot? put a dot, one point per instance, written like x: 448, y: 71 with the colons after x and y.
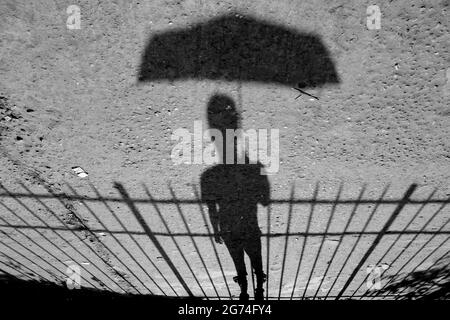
x: 72, y: 98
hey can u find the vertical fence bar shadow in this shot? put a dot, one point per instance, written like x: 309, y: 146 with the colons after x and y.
x: 358, y: 239
x: 22, y: 204
x: 29, y: 239
x: 138, y: 245
x: 269, y: 211
x: 391, y: 219
x: 429, y: 220
x: 396, y: 241
x: 152, y: 237
x: 186, y: 225
x: 341, y: 236
x: 18, y: 257
x: 166, y: 226
x: 93, y: 237
x: 399, y: 293
x: 4, y: 272
x: 308, y: 226
x: 286, y: 239
x: 415, y: 281
x: 333, y: 210
x: 88, y: 208
x: 420, y: 250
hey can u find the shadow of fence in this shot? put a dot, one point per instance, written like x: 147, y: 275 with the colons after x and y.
x: 313, y: 248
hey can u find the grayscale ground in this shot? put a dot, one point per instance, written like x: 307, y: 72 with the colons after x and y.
x: 71, y: 98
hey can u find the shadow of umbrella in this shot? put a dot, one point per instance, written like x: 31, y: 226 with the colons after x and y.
x: 239, y: 48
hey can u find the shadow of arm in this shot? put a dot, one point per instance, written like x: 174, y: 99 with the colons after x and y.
x: 264, y: 191
x: 214, y: 218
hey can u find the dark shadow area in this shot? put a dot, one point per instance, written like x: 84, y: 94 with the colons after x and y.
x: 48, y: 292
x: 232, y: 192
x: 430, y: 284
x: 238, y: 48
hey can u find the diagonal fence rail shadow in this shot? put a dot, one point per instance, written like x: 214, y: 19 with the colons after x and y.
x: 315, y: 248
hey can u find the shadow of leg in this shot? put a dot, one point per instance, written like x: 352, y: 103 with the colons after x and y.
x: 236, y: 249
x: 253, y: 250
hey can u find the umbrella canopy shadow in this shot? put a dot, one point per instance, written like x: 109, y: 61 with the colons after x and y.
x: 239, y: 48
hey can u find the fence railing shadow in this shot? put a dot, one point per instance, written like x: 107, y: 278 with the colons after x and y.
x: 313, y: 248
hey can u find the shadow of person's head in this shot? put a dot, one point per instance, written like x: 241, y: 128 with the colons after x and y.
x: 222, y: 116
x: 222, y: 113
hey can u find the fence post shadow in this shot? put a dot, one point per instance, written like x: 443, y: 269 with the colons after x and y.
x: 386, y: 226
x: 289, y: 218
x: 395, y: 242
x: 341, y: 236
x: 308, y: 225
x: 20, y: 255
x: 186, y: 225
x: 151, y: 236
x: 33, y: 196
x: 132, y: 237
x: 174, y: 240
x: 88, y: 208
x: 333, y: 210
